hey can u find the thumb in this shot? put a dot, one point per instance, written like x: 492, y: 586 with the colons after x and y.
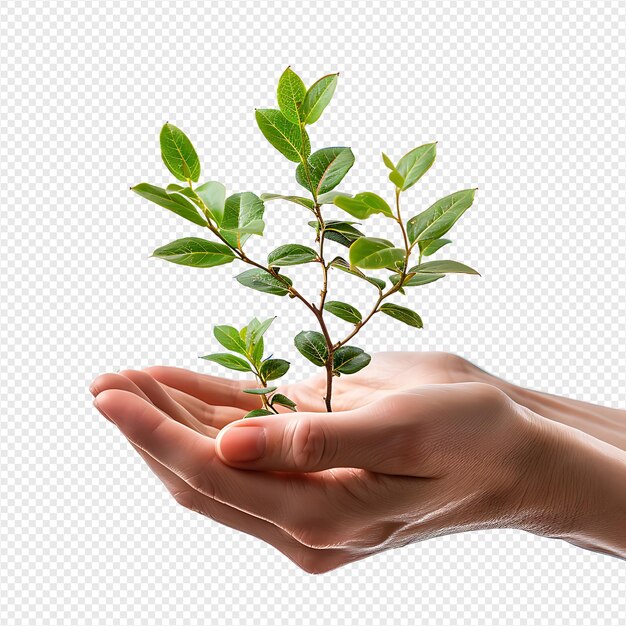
x: 368, y: 438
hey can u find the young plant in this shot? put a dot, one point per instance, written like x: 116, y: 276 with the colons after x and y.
x: 248, y: 342
x: 234, y: 219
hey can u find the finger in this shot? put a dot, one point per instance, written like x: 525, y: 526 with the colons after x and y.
x: 209, y: 389
x: 381, y: 437
x: 162, y: 400
x: 115, y: 381
x: 310, y: 559
x: 215, y: 416
x: 192, y: 457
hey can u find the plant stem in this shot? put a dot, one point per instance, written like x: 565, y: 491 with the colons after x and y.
x: 266, y: 403
x: 319, y: 311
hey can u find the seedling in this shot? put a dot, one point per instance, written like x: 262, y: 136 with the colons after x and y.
x: 234, y: 219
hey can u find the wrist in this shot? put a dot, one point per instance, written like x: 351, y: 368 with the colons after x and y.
x: 578, y: 490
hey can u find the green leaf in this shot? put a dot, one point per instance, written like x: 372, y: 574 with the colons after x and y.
x: 258, y: 330
x: 312, y: 345
x: 230, y: 361
x: 350, y: 359
x: 290, y: 93
x: 257, y: 391
x: 257, y: 351
x: 271, y: 369
x: 248, y: 335
x: 288, y: 138
x: 213, y: 195
x: 291, y: 254
x: 317, y: 98
x: 282, y: 400
x: 243, y: 216
x: 402, y: 314
x: 264, y: 281
x: 363, y: 205
x: 415, y: 279
x: 305, y: 202
x: 343, y: 265
x: 395, y: 177
x: 329, y: 196
x: 413, y: 165
x: 327, y: 167
x: 336, y: 230
x: 375, y: 253
x: 257, y: 413
x: 446, y: 267
x: 178, y: 153
x: 173, y: 202
x: 344, y: 311
x: 430, y: 246
x: 388, y: 162
x: 439, y: 218
x: 230, y: 338
x: 195, y: 252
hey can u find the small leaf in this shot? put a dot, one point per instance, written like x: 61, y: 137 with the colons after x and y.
x: 271, y: 369
x: 257, y: 413
x: 327, y: 167
x: 258, y: 391
x: 344, y: 266
x: 388, y: 162
x: 329, y: 196
x: 243, y: 216
x: 264, y: 281
x: 336, y: 230
x: 213, y: 195
x: 344, y: 311
x: 230, y: 361
x: 257, y: 351
x: 282, y: 400
x: 439, y: 218
x: 350, y: 359
x: 195, y: 252
x: 254, y: 334
x: 317, y: 98
x: 413, y: 165
x: 395, y: 177
x: 230, y: 338
x: 430, y: 246
x: 174, y: 203
x: 363, y: 205
x: 375, y: 253
x: 305, y: 202
x: 290, y: 93
x: 415, y: 279
x: 288, y: 138
x: 312, y: 345
x: 446, y: 267
x: 402, y: 314
x: 178, y: 153
x: 291, y: 254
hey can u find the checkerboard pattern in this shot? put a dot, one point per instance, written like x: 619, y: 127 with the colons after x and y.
x: 527, y: 101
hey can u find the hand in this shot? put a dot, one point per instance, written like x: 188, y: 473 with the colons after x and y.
x: 400, y: 468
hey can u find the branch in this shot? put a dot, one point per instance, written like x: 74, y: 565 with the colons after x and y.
x: 382, y: 296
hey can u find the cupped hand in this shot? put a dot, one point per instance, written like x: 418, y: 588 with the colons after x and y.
x: 406, y: 455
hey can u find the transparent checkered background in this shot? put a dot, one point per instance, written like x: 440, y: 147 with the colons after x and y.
x: 527, y: 101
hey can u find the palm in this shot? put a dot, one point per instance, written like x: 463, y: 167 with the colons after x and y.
x: 388, y: 373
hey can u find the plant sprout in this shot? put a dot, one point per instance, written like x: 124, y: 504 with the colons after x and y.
x: 232, y: 221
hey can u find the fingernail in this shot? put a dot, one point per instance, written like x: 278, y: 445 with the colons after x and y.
x: 95, y: 403
x: 241, y: 444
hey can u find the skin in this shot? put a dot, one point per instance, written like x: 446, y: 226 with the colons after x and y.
x: 418, y: 446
